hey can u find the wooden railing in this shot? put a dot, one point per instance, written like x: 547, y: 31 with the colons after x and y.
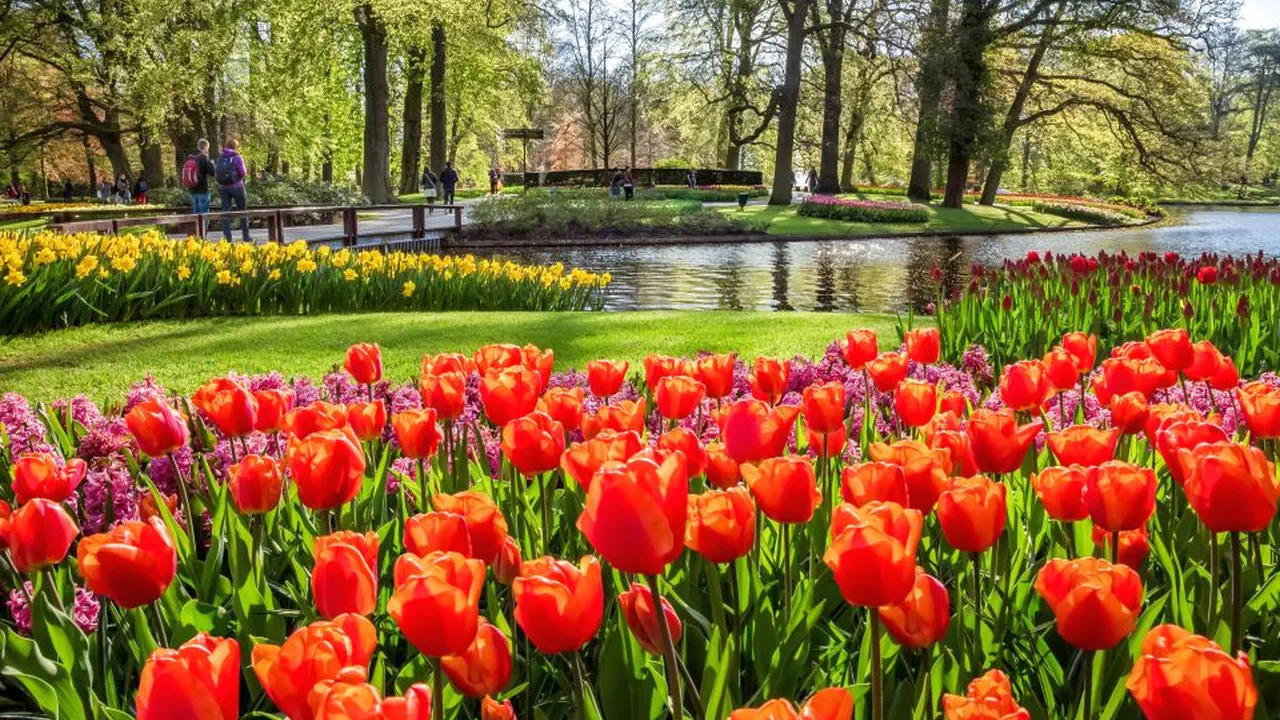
x: 275, y: 220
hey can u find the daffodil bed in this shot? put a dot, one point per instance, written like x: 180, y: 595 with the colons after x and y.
x: 871, y: 533
x: 57, y: 280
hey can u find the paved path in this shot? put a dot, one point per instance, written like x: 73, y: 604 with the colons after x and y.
x: 381, y: 223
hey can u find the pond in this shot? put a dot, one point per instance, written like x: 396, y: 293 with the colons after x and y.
x: 875, y: 274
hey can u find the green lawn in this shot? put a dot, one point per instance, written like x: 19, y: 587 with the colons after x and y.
x: 25, y: 224
x: 101, y: 361
x: 970, y: 218
x: 1256, y: 195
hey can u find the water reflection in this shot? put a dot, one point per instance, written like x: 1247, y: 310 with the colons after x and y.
x: 873, y: 274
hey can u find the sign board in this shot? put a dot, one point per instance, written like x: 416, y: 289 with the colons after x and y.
x: 523, y: 134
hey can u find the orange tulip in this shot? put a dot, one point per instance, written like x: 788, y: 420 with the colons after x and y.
x: 1205, y: 359
x: 723, y: 472
x: 1120, y: 496
x: 426, y: 533
x: 1172, y: 348
x: 349, y: 695
x: 509, y: 393
x: 887, y: 370
x: 273, y: 405
x: 924, y: 469
x: 859, y: 348
x: 678, y: 396
x: 1129, y: 412
x: 1061, y: 368
x: 1061, y: 491
x: 1232, y: 487
x: 559, y: 605
x: 870, y: 481
x: 541, y: 362
x: 438, y: 608
x: 6, y: 517
x: 156, y: 428
x: 722, y: 524
x: 921, y: 618
x: 924, y: 345
x: 1025, y: 385
x: 319, y: 416
x: 149, y: 508
x: 972, y: 512
x: 1134, y: 545
x: 916, y: 401
x: 753, y: 431
x: 635, y: 514
x: 1133, y: 350
x: 1084, y: 445
x: 1226, y: 377
x: 605, y: 377
x: 486, y: 527
x: 582, y: 460
x: 228, y: 405
x: 367, y: 419
x: 768, y: 378
x: 447, y: 363
x: 1181, y: 675
x: 624, y: 416
x: 533, y: 443
x: 491, y: 709
x: 255, y: 483
x: 990, y: 697
x: 132, y: 564
x: 37, y: 475
x: 1161, y: 414
x: 642, y: 617
x: 829, y: 704
x: 39, y: 535
x: 785, y: 488
x: 826, y: 446
x: 687, y: 442
x: 1083, y: 348
x: 445, y: 393
x: 1096, y: 603
x: 1260, y: 405
x: 198, y: 681
x: 657, y: 367
x: 416, y: 433
x: 715, y: 372
x: 873, y: 552
x: 485, y: 667
x: 564, y: 405
x: 1180, y: 434
x: 507, y: 563
x: 312, y: 654
x: 497, y: 356
x: 327, y: 467
x: 364, y: 363
x: 999, y: 443
x: 823, y: 407
x: 954, y: 402
x: 345, y: 579
x: 959, y: 448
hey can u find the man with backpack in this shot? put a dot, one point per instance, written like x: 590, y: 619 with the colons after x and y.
x: 230, y: 173
x: 196, y: 172
x: 449, y: 181
x: 140, y: 189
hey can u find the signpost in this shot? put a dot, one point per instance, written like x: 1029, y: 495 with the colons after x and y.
x: 524, y: 135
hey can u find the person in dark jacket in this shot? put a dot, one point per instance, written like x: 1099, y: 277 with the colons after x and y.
x: 230, y: 174
x: 140, y: 189
x: 448, y: 181
x: 199, y: 192
x: 628, y: 184
x: 430, y: 188
x: 68, y: 192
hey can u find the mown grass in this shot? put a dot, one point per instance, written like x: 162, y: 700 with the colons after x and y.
x: 101, y: 361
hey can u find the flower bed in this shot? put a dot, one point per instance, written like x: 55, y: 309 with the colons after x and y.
x: 54, y: 280
x: 1096, y: 215
x: 365, y: 546
x: 830, y: 207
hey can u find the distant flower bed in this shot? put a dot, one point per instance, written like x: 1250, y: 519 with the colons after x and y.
x: 54, y: 280
x: 53, y: 207
x: 830, y: 207
x: 1133, y: 208
x: 1096, y: 214
x: 702, y: 193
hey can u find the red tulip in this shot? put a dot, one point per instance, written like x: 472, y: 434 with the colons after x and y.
x: 999, y: 443
x: 723, y: 472
x: 255, y: 483
x: 1096, y: 603
x: 859, y: 348
x: 871, y: 481
x: 642, y: 617
x: 559, y: 605
x: 416, y: 432
x: 438, y: 609
x: 156, y: 428
x: 1061, y: 491
x: 657, y: 367
x: 1134, y: 545
x: 1226, y: 377
x: 753, y: 431
x: 1232, y: 487
x: 722, y: 524
x: 364, y: 363
x: 887, y: 370
x: 582, y: 460
x: 1061, y: 368
x: 1187, y: 434
x: 497, y: 356
x: 624, y: 416
x: 924, y: 469
x: 541, y: 362
x: 1161, y: 414
x: 1205, y: 359
x: 1084, y: 445
x: 1129, y: 412
x: 716, y: 373
x: 1120, y: 496
x: 826, y: 446
x: 507, y: 563
x: 953, y: 401
x: 345, y: 579
x: 768, y: 379
x: 447, y: 363
x: 1260, y: 405
x: 785, y: 488
x: 1025, y: 385
x: 491, y: 709
x: 198, y: 681
x: 426, y: 533
x: 823, y: 407
x: 990, y: 697
x: 972, y: 512
x: 916, y: 401
x: 37, y: 475
x: 605, y: 377
x: 635, y: 514
x: 273, y: 406
x: 829, y: 704
x: 319, y: 416
x: 349, y: 695
x: 921, y: 618
x: 960, y: 448
x: 133, y: 563
x: 312, y: 654
x: 564, y: 405
x: 687, y: 442
x: 39, y: 535
x: 327, y: 468
x: 1180, y: 675
x: 484, y: 668
x: 533, y: 444
x: 6, y: 517
x: 509, y: 393
x: 228, y: 405
x: 486, y: 527
x: 367, y: 419
x: 873, y: 552
x: 924, y: 345
x: 1083, y: 347
x: 445, y: 393
x: 1172, y: 348
x: 678, y: 396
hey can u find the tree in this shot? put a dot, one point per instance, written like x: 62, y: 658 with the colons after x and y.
x: 795, y: 13
x: 1264, y: 70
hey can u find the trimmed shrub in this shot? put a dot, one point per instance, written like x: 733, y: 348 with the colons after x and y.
x: 830, y: 207
x: 1085, y: 213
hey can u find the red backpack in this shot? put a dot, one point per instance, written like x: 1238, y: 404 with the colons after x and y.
x: 191, y: 172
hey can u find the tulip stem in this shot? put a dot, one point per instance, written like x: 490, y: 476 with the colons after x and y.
x: 977, y: 615
x: 1237, y: 593
x: 926, y: 674
x: 546, y: 513
x: 1115, y: 547
x: 437, y: 689
x: 1212, y: 595
x: 669, y: 650
x: 877, y: 672
x: 185, y: 495
x: 1087, y: 695
x: 786, y: 573
x: 162, y: 636
x: 422, y: 485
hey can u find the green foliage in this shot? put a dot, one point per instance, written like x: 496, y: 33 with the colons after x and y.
x: 282, y: 191
x: 869, y: 211
x: 593, y: 212
x: 1086, y: 213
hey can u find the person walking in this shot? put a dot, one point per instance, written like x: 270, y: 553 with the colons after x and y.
x: 122, y: 190
x: 230, y: 173
x: 691, y: 178
x: 449, y: 182
x: 495, y: 179
x: 628, y: 185
x: 196, y: 172
x: 615, y: 184
x: 68, y: 191
x: 104, y: 190
x: 140, y: 189
x: 430, y: 183
x: 813, y: 180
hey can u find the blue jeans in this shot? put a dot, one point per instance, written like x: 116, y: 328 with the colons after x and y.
x: 233, y: 199
x: 199, y: 203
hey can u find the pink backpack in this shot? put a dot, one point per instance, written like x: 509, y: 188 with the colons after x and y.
x: 191, y: 172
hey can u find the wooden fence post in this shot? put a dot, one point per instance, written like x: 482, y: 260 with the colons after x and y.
x: 350, y: 228
x: 419, y: 222
x: 457, y: 217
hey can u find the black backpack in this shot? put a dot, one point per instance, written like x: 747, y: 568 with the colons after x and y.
x: 225, y: 171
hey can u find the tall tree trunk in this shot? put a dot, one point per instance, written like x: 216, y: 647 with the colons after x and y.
x: 972, y: 39
x: 1026, y: 164
x: 635, y: 96
x: 783, y: 165
x: 439, y: 119
x: 1013, y: 118
x: 744, y: 66
x: 411, y: 146
x: 376, y: 168
x: 91, y: 161
x: 832, y: 108
x: 851, y: 137
x: 929, y: 84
